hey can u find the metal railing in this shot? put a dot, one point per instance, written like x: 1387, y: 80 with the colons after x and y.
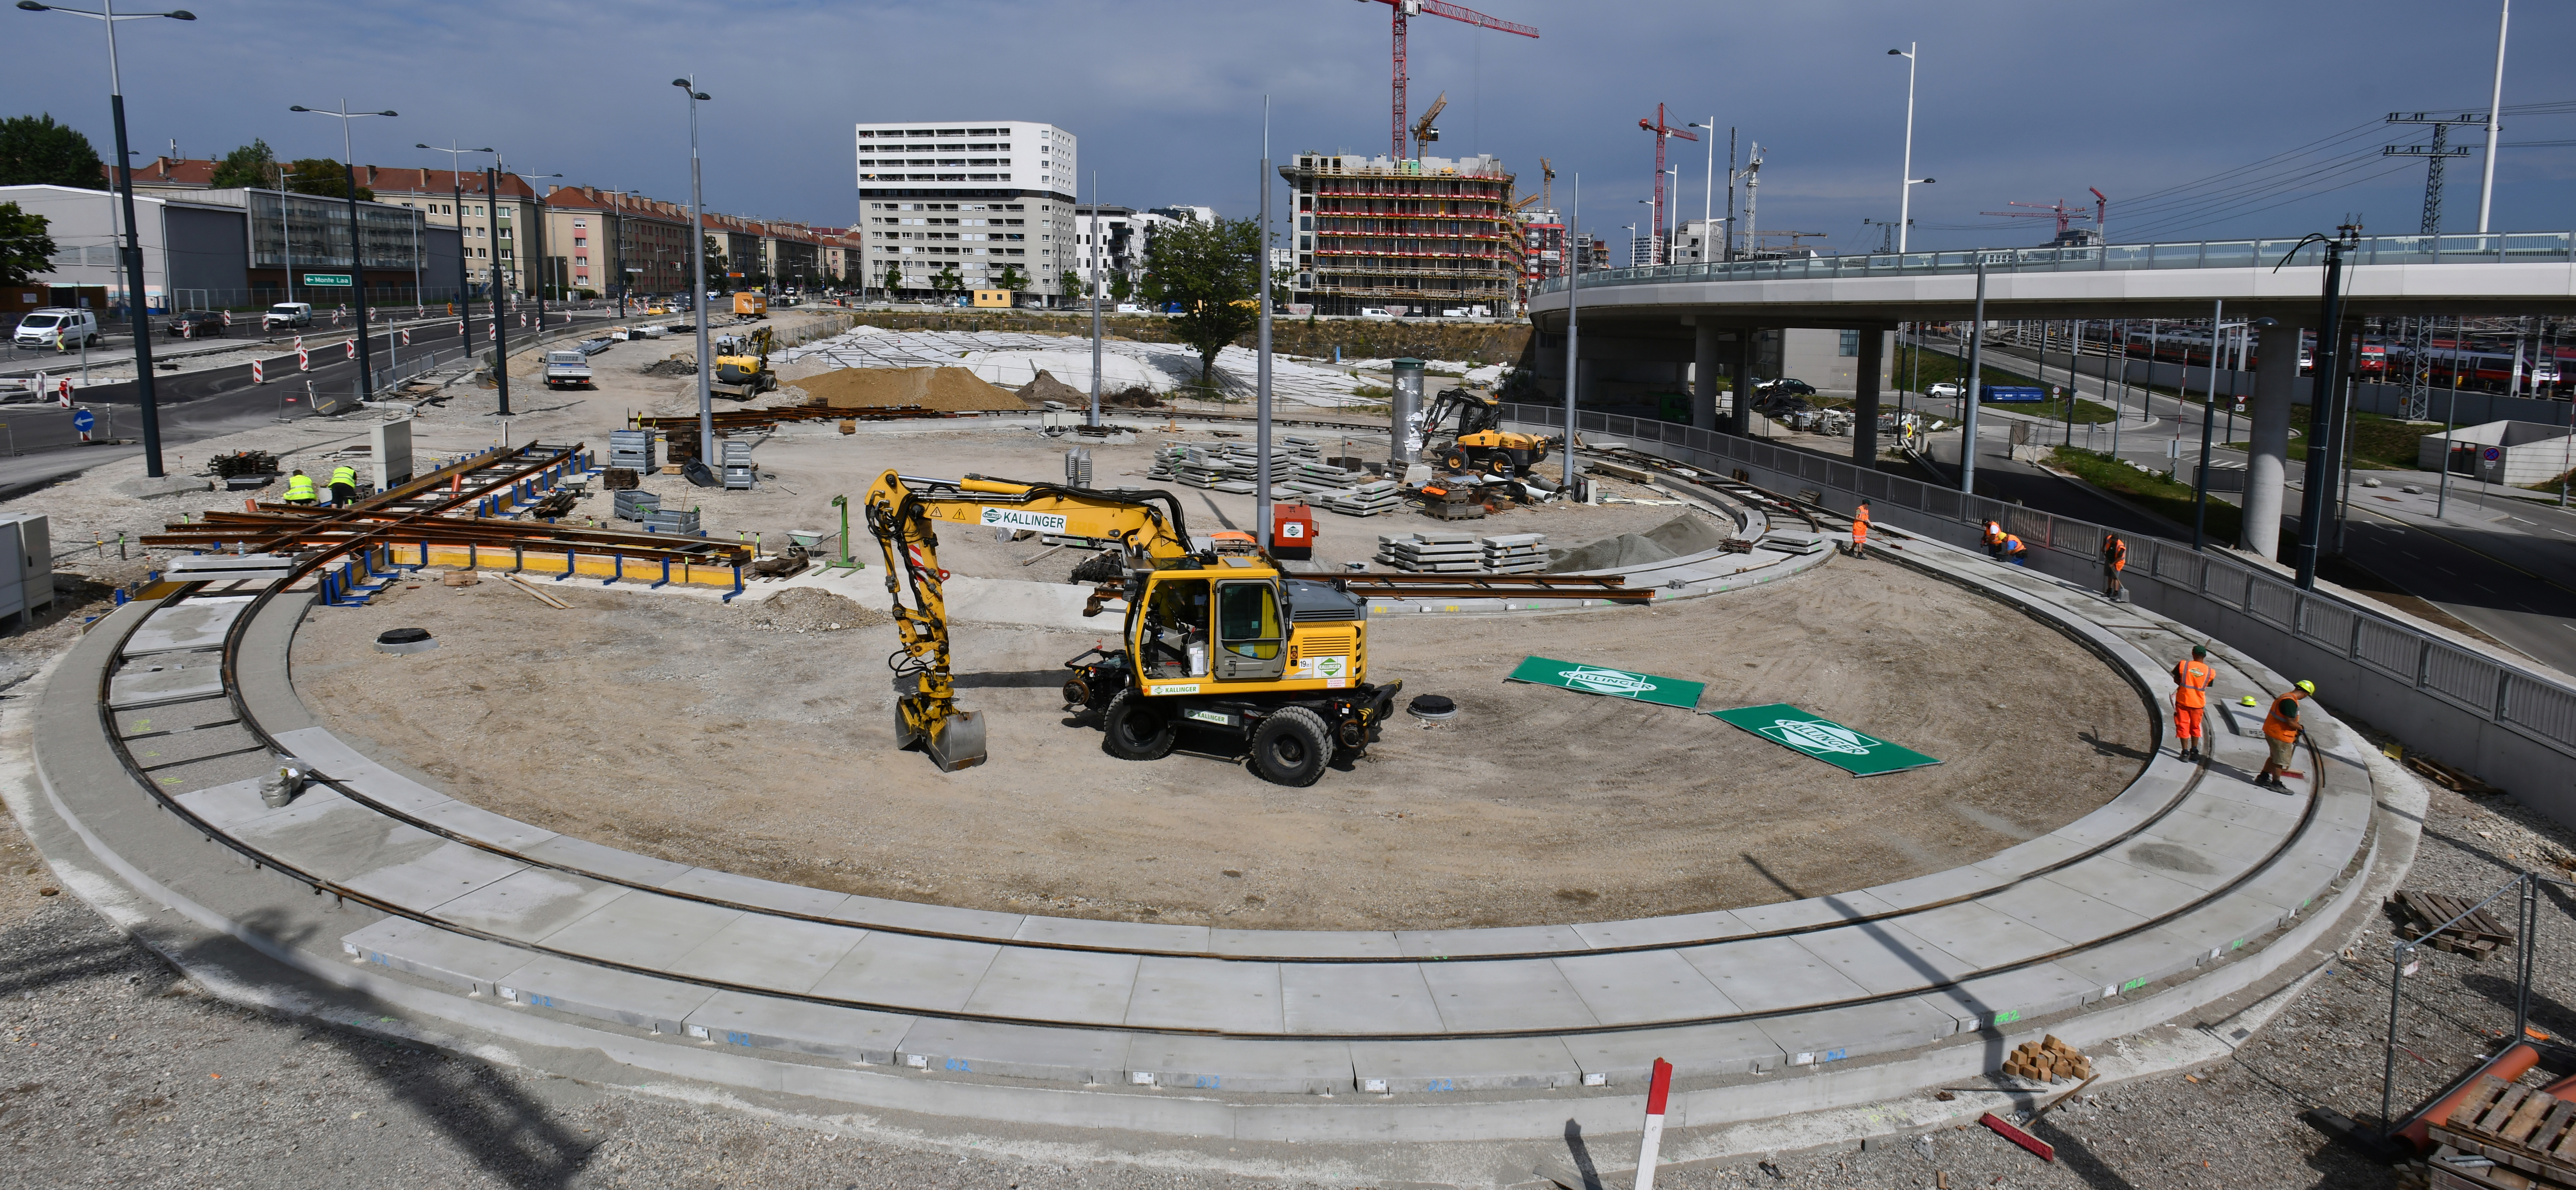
x: 2555, y: 247
x: 2221, y: 591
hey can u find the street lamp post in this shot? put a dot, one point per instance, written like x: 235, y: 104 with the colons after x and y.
x: 357, y: 238
x: 698, y: 296
x: 1905, y: 193
x: 500, y: 327
x: 456, y: 211
x: 1708, y: 191
x: 133, y: 247
x: 545, y: 265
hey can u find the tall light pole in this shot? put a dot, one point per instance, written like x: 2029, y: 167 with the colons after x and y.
x: 1573, y: 329
x: 133, y: 249
x: 1905, y: 193
x: 1708, y: 191
x: 500, y: 329
x: 2495, y: 117
x: 357, y: 238
x: 545, y: 265
x: 456, y: 211
x: 698, y: 296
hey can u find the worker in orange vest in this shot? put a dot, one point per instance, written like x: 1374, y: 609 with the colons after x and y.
x: 2115, y: 558
x: 2192, y: 679
x: 2281, y: 730
x: 2014, y: 551
x: 1860, y: 530
x: 1994, y: 539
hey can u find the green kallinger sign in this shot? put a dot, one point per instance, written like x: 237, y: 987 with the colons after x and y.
x: 1617, y: 683
x: 1824, y: 739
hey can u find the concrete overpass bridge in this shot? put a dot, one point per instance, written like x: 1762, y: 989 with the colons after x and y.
x: 1709, y: 314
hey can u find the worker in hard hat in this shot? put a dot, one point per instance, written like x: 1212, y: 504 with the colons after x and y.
x: 2115, y: 558
x: 2281, y: 729
x: 1860, y: 530
x: 1994, y: 539
x: 2014, y: 551
x: 2193, y: 676
x: 299, y: 488
x: 344, y: 485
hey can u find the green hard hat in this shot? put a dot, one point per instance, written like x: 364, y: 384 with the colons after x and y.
x: 2200, y: 650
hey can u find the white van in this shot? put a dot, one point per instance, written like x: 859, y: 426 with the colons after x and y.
x: 287, y: 314
x: 74, y: 327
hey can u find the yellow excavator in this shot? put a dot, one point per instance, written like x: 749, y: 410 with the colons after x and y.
x: 1221, y: 642
x: 742, y: 365
x: 1472, y: 423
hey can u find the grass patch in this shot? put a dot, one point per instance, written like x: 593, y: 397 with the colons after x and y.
x: 2378, y: 443
x: 2159, y: 493
x: 1946, y: 369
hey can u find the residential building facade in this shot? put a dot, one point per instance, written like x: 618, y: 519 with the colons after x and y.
x: 950, y: 207
x: 1432, y: 234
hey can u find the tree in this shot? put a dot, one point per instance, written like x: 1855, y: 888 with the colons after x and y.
x: 716, y: 260
x: 1070, y: 284
x: 253, y: 164
x: 893, y: 279
x: 1011, y: 279
x: 1213, y: 273
x: 946, y: 279
x: 35, y: 151
x: 323, y: 177
x: 1122, y: 287
x: 25, y: 249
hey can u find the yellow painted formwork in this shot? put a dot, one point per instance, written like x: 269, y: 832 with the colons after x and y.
x: 551, y: 562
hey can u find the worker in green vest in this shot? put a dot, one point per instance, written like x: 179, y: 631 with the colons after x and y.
x: 344, y: 485
x: 299, y: 488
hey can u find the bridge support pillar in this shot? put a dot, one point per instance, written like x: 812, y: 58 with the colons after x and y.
x: 1873, y: 360
x: 1706, y: 361
x: 2276, y: 375
x: 1740, y: 420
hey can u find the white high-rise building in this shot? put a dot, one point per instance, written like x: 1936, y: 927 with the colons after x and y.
x: 985, y: 202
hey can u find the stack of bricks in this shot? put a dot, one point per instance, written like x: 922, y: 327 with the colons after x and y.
x: 2048, y: 1061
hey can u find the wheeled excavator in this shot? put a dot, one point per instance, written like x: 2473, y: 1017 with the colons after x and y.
x: 1214, y: 640
x: 742, y: 365
x: 1472, y: 423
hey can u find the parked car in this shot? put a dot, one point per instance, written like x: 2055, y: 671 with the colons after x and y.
x: 43, y: 328
x: 1945, y: 390
x: 1785, y: 386
x: 197, y: 324
x: 567, y: 367
x: 287, y: 314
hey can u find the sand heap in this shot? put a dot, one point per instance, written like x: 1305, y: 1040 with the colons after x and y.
x: 1047, y: 388
x: 812, y: 609
x: 1689, y: 533
x: 949, y: 390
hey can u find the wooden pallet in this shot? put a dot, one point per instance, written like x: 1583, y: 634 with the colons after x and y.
x: 2448, y: 777
x: 2443, y: 1175
x: 2477, y: 936
x: 2516, y: 1126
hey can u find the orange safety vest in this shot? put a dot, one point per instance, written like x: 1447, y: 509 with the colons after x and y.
x: 2278, y: 726
x: 2117, y: 554
x: 1994, y: 533
x: 2012, y: 544
x: 2192, y: 680
x: 1860, y: 527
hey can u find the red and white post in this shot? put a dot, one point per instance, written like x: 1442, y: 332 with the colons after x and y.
x: 1657, y: 1091
x: 258, y: 374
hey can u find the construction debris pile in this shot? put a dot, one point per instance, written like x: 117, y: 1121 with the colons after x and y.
x: 1454, y: 553
x: 2048, y: 1060
x: 813, y: 609
x: 948, y: 390
x: 1689, y: 533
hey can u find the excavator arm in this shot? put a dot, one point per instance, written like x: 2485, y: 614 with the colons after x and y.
x: 901, y: 510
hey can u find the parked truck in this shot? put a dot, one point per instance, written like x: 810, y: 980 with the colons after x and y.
x: 567, y: 368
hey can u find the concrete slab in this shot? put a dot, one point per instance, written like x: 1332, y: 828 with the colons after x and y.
x: 930, y: 919
x: 2032, y: 857
x: 484, y: 826
x: 1814, y: 911
x: 444, y: 874
x: 2208, y: 861
x: 1248, y: 1065
x: 758, y: 950
x: 1938, y: 887
x: 1885, y: 958
x: 169, y: 677
x: 1220, y: 997
x: 2279, y: 817
x: 1463, y: 1064
x: 236, y: 804
x: 643, y: 1001
x: 1639, y: 987
x: 193, y: 624
x: 1113, y: 935
x: 2056, y: 911
x: 466, y: 963
x: 1066, y: 986
x: 641, y: 929
x: 1837, y: 1034
x: 582, y: 855
x: 1677, y: 930
x: 330, y: 756
x: 336, y: 839
x: 753, y: 891
x: 2148, y: 893
x: 1771, y: 974
x: 1014, y: 1051
x: 1438, y: 944
x: 1627, y: 1058
x: 2226, y: 924
x: 732, y: 1018
x: 528, y: 905
x: 1984, y: 937
x: 1357, y: 998
x: 2124, y: 965
x: 930, y: 974
x: 1305, y: 944
x: 1503, y: 995
x: 1999, y: 999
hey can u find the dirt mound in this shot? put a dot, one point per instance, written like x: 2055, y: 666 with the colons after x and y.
x: 674, y: 366
x: 952, y: 390
x: 1689, y: 533
x: 1134, y: 396
x: 813, y: 609
x: 1047, y: 388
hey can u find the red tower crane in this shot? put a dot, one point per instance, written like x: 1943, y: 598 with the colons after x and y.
x: 2063, y: 213
x: 1661, y: 131
x: 1438, y: 8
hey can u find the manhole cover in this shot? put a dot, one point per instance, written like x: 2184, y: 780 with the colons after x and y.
x: 405, y: 640
x: 1433, y: 707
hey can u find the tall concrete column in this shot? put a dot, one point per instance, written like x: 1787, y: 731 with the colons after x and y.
x: 2276, y: 374
x: 1741, y: 420
x: 1873, y: 358
x: 1705, y: 362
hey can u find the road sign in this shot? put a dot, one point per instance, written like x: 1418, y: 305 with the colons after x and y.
x: 2492, y: 453
x: 1616, y: 683
x: 82, y: 420
x: 326, y: 278
x: 1824, y: 739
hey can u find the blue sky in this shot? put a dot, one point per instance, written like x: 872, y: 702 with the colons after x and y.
x: 2017, y: 101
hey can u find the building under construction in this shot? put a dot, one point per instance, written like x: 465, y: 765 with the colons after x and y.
x: 1431, y: 234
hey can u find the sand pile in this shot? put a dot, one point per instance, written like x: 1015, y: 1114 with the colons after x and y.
x: 951, y: 390
x: 813, y: 609
x: 1689, y: 533
x: 1047, y: 388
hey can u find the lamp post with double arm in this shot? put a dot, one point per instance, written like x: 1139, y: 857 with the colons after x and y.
x: 357, y: 237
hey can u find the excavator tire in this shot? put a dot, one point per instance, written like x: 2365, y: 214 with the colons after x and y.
x: 1292, y: 747
x: 1455, y: 460
x: 1134, y: 729
x: 1498, y: 465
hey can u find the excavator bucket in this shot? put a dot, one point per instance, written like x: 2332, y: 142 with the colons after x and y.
x: 957, y: 741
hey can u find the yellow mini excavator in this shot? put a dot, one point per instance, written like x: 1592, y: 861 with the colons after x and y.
x: 1215, y: 642
x: 742, y: 366
x: 1463, y: 431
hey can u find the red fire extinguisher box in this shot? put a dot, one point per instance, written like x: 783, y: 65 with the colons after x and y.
x: 1292, y: 531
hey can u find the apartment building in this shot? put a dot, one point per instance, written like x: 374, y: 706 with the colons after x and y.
x: 490, y: 225
x: 206, y: 247
x: 975, y: 205
x: 1432, y: 234
x: 616, y: 243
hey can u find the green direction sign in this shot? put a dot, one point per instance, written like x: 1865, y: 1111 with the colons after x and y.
x: 1824, y: 739
x: 1617, y: 683
x: 326, y: 278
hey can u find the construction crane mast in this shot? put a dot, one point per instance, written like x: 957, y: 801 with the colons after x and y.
x: 1546, y: 184
x: 1405, y: 9
x: 1661, y: 131
x: 1426, y: 130
x: 2058, y: 210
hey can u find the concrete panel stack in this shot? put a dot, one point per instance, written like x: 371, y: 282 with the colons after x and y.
x: 1515, y: 553
x: 1367, y: 499
x: 1432, y: 553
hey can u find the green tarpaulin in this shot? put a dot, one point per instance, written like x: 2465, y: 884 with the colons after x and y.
x: 1824, y: 739
x: 1617, y: 683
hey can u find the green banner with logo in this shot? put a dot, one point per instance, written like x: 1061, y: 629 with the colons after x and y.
x: 1599, y: 679
x: 1824, y: 739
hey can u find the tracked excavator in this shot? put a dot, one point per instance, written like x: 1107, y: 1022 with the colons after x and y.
x: 1471, y: 424
x: 742, y: 365
x: 1214, y: 640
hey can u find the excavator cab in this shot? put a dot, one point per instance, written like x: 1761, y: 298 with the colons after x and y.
x: 742, y: 365
x: 1472, y: 423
